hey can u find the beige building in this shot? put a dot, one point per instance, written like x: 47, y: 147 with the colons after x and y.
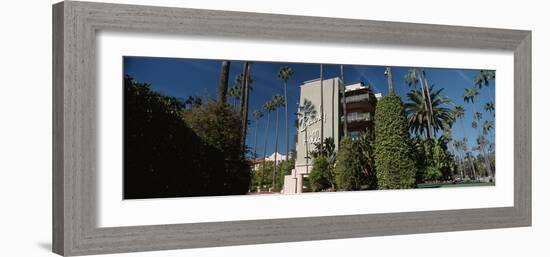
x: 360, y: 106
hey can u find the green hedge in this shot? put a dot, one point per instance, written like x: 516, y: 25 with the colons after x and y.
x: 395, y: 168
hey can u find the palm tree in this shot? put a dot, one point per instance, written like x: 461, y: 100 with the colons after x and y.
x: 224, y: 79
x: 458, y: 114
x: 244, y: 104
x: 470, y: 95
x: 389, y: 76
x: 481, y: 140
x: 235, y: 93
x: 412, y: 78
x: 470, y: 157
x: 419, y: 116
x: 258, y: 114
x: 284, y: 74
x: 428, y: 93
x: 277, y: 101
x: 484, y: 78
x: 306, y: 113
x: 490, y: 107
x: 322, y: 107
x: 487, y: 126
x: 344, y: 104
x: 268, y: 108
x: 457, y: 145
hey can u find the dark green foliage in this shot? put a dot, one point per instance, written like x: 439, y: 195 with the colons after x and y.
x: 348, y: 171
x: 433, y: 174
x: 395, y: 168
x: 322, y: 174
x: 220, y: 127
x: 364, y: 151
x: 421, y: 152
x: 164, y: 156
x: 262, y: 176
x: 443, y: 160
x: 319, y: 178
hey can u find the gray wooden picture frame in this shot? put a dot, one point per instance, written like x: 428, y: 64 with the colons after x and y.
x: 75, y: 25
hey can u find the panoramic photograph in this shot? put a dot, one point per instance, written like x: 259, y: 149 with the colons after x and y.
x: 197, y: 127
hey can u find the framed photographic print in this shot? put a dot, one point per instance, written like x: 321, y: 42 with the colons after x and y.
x: 184, y: 128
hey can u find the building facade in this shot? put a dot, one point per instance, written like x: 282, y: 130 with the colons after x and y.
x: 360, y: 104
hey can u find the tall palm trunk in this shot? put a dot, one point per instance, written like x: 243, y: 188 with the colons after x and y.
x: 244, y: 105
x: 322, y: 109
x: 256, y: 139
x: 430, y: 107
x: 265, y: 149
x: 224, y: 79
x: 425, y: 100
x: 276, y: 144
x: 390, y: 81
x: 286, y: 123
x: 473, y: 167
x: 307, y: 152
x: 482, y: 147
x: 344, y: 104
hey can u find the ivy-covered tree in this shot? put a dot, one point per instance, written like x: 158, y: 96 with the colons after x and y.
x: 395, y: 168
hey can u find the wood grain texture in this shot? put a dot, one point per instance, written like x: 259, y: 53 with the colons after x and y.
x: 74, y: 126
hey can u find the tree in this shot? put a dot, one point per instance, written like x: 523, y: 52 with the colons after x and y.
x: 412, y: 78
x: 284, y: 74
x: 481, y: 141
x: 394, y: 165
x: 470, y: 95
x: 219, y: 126
x: 268, y: 108
x: 244, y: 103
x: 347, y: 174
x: 235, y: 93
x: 487, y: 127
x: 306, y: 113
x: 277, y: 101
x: 224, y: 79
x: 490, y: 107
x: 168, y: 153
x: 364, y: 151
x: 322, y: 107
x: 319, y: 179
x: 484, y: 78
x: 344, y: 103
x: 322, y: 173
x: 258, y: 114
x: 424, y: 121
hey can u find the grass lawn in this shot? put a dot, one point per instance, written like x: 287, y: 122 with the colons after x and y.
x: 466, y: 184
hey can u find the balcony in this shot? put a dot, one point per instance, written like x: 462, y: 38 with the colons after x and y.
x: 357, y: 98
x: 358, y: 117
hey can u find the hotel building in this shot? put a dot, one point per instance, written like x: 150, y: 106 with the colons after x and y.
x: 360, y: 106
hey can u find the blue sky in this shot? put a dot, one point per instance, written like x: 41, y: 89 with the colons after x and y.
x: 190, y: 77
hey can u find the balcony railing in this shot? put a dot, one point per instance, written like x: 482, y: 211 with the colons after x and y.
x: 357, y: 98
x: 357, y: 117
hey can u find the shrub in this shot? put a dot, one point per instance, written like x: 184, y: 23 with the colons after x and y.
x: 167, y: 153
x: 319, y: 178
x: 433, y: 173
x: 347, y: 172
x: 395, y: 168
